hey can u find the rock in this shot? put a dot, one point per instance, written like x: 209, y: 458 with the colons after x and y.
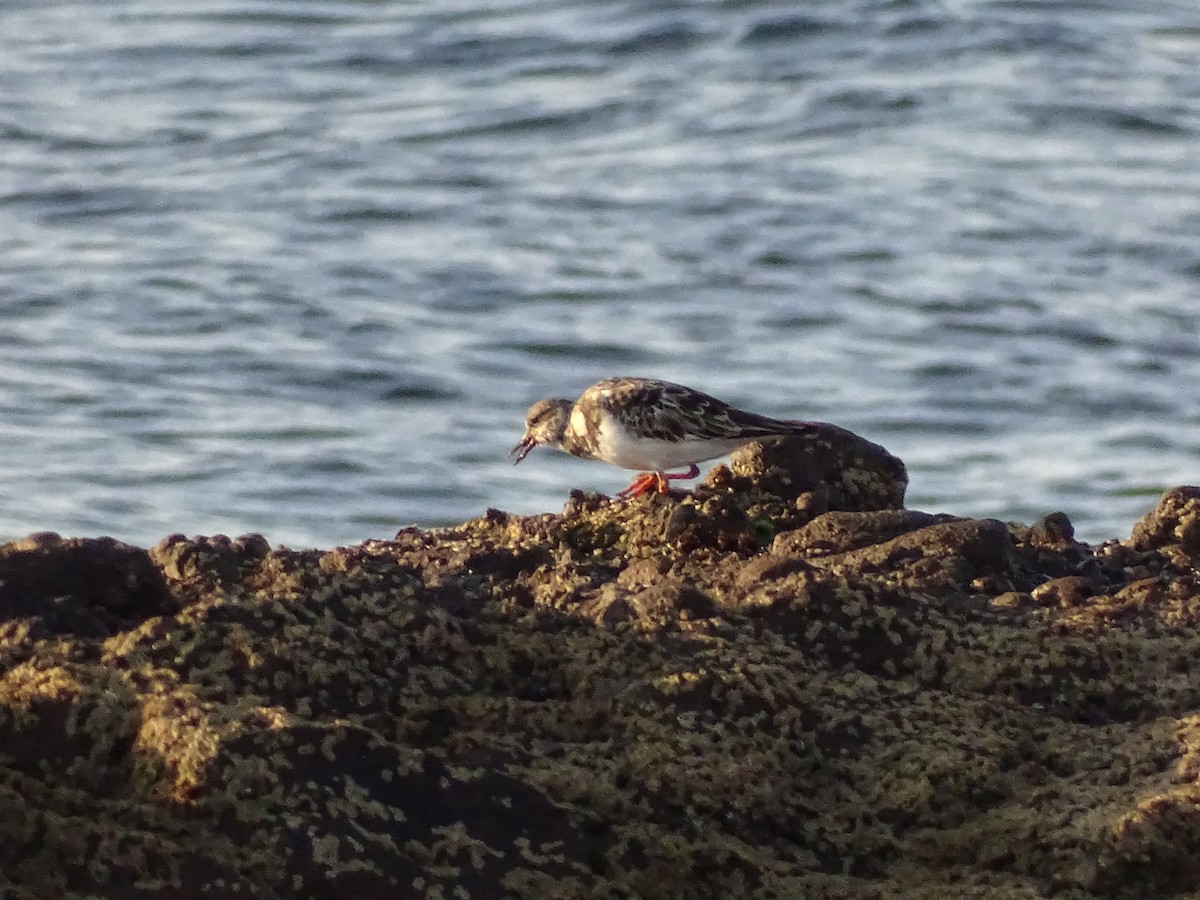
x: 1073, y: 590
x: 729, y: 693
x: 666, y: 604
x: 1053, y: 532
x: 839, y: 532
x: 848, y: 471
x: 92, y: 588
x: 1175, y: 520
x: 913, y: 547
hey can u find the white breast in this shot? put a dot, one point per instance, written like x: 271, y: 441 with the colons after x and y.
x: 618, y: 447
x: 578, y: 423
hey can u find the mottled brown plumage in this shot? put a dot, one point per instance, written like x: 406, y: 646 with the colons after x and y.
x: 644, y: 423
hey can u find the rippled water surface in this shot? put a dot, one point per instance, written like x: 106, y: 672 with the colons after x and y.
x: 299, y: 267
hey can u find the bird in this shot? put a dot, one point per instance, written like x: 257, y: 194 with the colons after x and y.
x: 646, y: 424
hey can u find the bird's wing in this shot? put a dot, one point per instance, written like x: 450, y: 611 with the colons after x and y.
x: 672, y: 412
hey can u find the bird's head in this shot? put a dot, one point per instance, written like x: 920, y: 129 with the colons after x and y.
x: 545, y: 423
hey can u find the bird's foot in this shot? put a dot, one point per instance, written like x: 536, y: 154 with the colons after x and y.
x: 641, y: 485
x: 660, y: 481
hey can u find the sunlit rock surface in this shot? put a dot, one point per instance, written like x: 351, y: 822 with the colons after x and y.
x: 781, y: 685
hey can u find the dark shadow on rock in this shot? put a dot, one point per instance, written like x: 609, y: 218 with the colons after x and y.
x: 89, y: 587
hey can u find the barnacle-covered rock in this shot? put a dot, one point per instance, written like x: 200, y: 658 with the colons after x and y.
x: 846, y: 470
x: 769, y: 687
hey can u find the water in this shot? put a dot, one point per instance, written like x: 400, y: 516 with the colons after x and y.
x: 299, y: 267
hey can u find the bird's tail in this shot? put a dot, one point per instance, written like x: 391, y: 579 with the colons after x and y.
x: 798, y: 428
x: 753, y: 425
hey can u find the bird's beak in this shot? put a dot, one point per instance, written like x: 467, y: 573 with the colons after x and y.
x: 522, y: 449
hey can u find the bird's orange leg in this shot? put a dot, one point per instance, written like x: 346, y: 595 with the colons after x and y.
x: 660, y: 481
x: 640, y: 485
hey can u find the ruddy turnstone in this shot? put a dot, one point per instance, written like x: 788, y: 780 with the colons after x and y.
x: 643, y: 423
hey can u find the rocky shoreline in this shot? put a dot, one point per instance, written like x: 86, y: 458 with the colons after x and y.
x: 782, y: 684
